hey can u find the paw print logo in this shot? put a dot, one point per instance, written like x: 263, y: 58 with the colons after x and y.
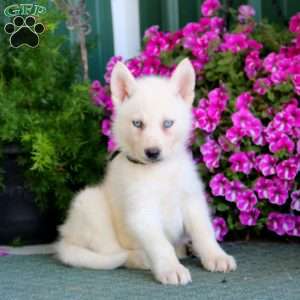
x: 24, y: 32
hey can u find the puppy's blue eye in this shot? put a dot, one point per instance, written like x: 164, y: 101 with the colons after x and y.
x: 168, y: 123
x: 137, y: 123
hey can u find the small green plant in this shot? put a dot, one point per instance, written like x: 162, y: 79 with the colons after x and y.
x: 46, y: 109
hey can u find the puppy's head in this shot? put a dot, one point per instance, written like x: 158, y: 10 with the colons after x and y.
x: 153, y: 114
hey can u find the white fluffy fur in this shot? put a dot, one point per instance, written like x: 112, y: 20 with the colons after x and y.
x: 140, y: 216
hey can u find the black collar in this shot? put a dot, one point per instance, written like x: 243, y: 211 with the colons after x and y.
x: 133, y: 160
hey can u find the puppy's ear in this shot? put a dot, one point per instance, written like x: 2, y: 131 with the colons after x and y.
x: 183, y: 80
x: 122, y: 83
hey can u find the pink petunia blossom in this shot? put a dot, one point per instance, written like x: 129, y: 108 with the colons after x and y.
x: 295, y: 204
x: 245, y: 120
x: 294, y: 24
x: 266, y: 164
x: 218, y: 98
x: 277, y: 194
x: 253, y: 64
x: 234, y: 135
x: 243, y: 101
x: 246, y: 201
x: 279, y: 141
x: 3, y: 252
x: 109, y: 67
x: 100, y: 96
x: 241, y: 162
x: 295, y: 231
x: 262, y: 85
x: 245, y: 12
x: 296, y: 83
x: 249, y: 218
x: 281, y: 223
x: 218, y: 184
x: 283, y: 121
x: 209, y: 7
x: 287, y: 169
x: 234, y: 42
x: 106, y: 127
x: 233, y: 190
x: 111, y: 145
x: 220, y: 228
x: 261, y: 187
x: 211, y: 153
x: 206, y: 120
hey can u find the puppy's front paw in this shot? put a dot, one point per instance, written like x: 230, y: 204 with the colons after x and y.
x: 175, y: 275
x: 219, y: 263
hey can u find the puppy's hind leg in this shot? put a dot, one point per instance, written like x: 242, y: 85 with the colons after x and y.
x: 87, y: 239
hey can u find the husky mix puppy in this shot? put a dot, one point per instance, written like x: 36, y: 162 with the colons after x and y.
x: 152, y: 201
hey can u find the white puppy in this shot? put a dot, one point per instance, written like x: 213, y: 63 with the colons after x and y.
x: 151, y: 201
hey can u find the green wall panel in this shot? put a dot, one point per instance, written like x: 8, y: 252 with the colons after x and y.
x: 101, y: 37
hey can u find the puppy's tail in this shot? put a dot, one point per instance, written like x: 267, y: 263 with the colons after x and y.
x: 77, y: 256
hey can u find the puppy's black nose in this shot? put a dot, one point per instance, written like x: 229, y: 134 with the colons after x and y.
x: 152, y: 153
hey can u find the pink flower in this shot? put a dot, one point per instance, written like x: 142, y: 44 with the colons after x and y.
x: 218, y: 184
x: 294, y: 24
x: 206, y: 120
x: 217, y: 24
x: 151, y: 65
x: 106, y: 127
x: 277, y: 194
x: 296, y: 82
x: 234, y: 42
x: 294, y: 112
x: 287, y: 169
x: 250, y: 125
x: 152, y: 31
x: 3, y: 252
x: 252, y: 64
x: 296, y: 230
x: 218, y: 98
x: 295, y: 204
x: 111, y: 145
x: 281, y: 223
x: 243, y: 101
x: 266, y: 164
x: 234, y: 135
x: 246, y: 201
x: 261, y: 187
x: 245, y: 12
x: 135, y: 66
x: 243, y: 119
x: 262, y: 85
x: 241, y: 162
x: 109, y: 67
x: 209, y: 7
x: 220, y: 228
x: 279, y: 141
x: 283, y: 121
x: 211, y: 153
x: 233, y: 190
x: 270, y: 62
x: 249, y: 218
x: 100, y: 96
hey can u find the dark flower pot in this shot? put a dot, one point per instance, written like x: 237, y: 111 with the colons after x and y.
x: 21, y: 221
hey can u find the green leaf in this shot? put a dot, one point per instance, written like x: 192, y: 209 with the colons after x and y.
x: 222, y: 207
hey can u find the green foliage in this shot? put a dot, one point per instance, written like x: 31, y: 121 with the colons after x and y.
x: 48, y: 112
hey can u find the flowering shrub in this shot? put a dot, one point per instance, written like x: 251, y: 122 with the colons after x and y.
x: 246, y: 114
